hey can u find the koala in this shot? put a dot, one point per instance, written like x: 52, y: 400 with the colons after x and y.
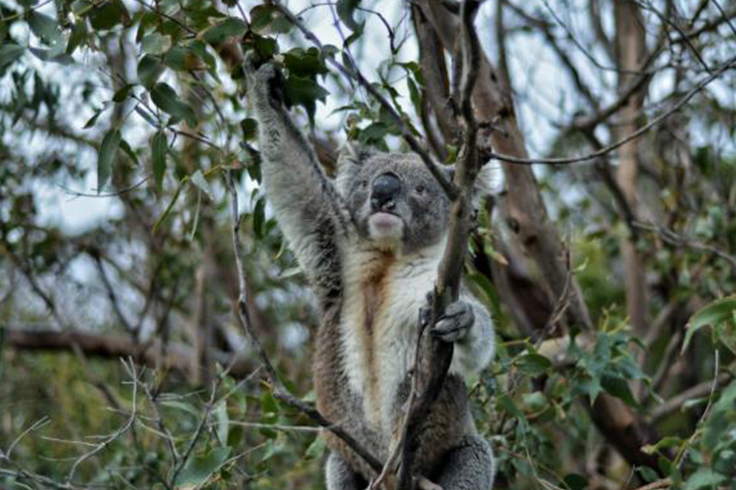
x: 369, y: 242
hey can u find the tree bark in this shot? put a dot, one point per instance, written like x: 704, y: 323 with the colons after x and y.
x: 630, y: 50
x: 178, y: 357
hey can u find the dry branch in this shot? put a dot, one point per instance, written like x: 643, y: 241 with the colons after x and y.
x: 178, y: 357
x: 433, y: 357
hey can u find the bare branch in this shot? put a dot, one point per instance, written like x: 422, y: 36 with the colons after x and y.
x: 644, y: 129
x: 177, y: 357
x: 433, y: 357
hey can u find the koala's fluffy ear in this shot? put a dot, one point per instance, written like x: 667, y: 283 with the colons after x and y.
x: 487, y: 183
x: 352, y: 156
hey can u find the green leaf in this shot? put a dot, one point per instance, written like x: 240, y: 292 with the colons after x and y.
x: 109, y: 14
x: 159, y: 147
x: 506, y: 403
x: 128, y: 151
x: 9, y: 53
x: 52, y: 56
x: 618, y: 387
x: 199, y: 180
x: 168, y: 101
x: 533, y: 364
x: 78, y: 35
x: 259, y: 218
x: 149, y: 69
x: 45, y: 27
x: 317, y: 449
x: 122, y: 93
x: 720, y: 310
x: 575, y: 481
x: 105, y: 155
x: 305, y: 62
x: 224, y: 30
x: 250, y: 128
x: 266, y: 47
x: 184, y: 58
x: 346, y: 10
x: 156, y: 44
x: 305, y: 92
x: 93, y: 119
x: 200, y: 468
x: 261, y: 17
x: 222, y: 421
x: 704, y: 477
x: 80, y: 8
x: 648, y: 474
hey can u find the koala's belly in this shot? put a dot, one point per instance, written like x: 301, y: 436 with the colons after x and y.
x: 378, y: 332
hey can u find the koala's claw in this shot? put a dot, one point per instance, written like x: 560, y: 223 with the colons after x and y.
x: 455, y: 324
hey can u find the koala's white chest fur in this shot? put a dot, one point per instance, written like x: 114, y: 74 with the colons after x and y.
x: 383, y: 295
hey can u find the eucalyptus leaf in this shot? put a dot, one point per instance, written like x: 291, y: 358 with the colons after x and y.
x: 156, y: 43
x: 199, y: 180
x: 720, y: 310
x: 159, y: 148
x: 168, y: 101
x: 346, y: 11
x: 9, y: 53
x: 200, y: 468
x: 149, y: 69
x: 105, y: 157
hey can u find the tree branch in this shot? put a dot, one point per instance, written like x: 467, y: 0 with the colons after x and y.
x: 433, y: 357
x: 178, y: 357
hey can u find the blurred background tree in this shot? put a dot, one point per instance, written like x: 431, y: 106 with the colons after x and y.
x: 610, y: 265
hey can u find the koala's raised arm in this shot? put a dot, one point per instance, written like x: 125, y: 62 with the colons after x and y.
x: 304, y: 200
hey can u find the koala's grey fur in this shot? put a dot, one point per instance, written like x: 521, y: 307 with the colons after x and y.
x: 371, y: 265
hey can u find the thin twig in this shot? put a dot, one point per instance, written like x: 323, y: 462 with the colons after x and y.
x: 43, y: 421
x: 644, y: 129
x: 677, y: 240
x: 655, y: 485
x: 109, y: 439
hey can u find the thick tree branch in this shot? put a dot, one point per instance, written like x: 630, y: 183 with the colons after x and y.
x: 178, y: 357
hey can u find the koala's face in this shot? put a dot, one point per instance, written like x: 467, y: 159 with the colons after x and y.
x: 394, y: 200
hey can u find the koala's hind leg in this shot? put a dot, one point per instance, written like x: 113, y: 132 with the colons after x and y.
x: 469, y: 466
x: 340, y: 476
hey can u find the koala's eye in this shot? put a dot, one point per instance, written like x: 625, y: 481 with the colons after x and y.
x: 363, y: 184
x: 420, y: 189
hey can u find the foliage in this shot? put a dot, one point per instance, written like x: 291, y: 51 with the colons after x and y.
x: 142, y: 103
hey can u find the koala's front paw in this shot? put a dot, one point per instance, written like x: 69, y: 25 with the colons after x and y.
x: 455, y: 324
x: 264, y: 81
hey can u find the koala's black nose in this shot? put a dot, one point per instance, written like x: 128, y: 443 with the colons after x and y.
x: 385, y: 189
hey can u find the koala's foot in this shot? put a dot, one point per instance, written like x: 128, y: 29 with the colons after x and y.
x: 340, y: 476
x: 470, y: 466
x: 455, y: 324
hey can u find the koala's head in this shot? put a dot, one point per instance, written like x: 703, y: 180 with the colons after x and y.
x: 394, y: 200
